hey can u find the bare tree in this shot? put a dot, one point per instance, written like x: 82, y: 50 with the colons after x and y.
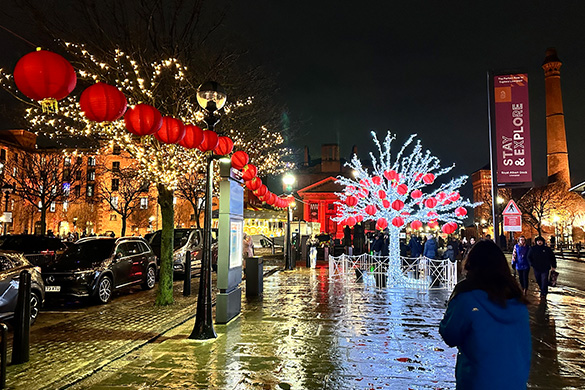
x: 540, y: 203
x: 44, y: 178
x: 124, y: 193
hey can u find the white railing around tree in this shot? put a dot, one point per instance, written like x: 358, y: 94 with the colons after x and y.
x: 384, y: 272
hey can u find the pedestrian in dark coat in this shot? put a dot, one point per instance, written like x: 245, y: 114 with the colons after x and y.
x: 386, y: 245
x: 520, y: 262
x: 487, y: 320
x: 449, y: 253
x: 542, y: 259
x: 430, y: 248
x: 359, y: 239
x: 415, y: 246
x: 377, y: 245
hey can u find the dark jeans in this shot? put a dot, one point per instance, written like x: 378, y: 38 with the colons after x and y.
x: 542, y: 280
x: 523, y: 277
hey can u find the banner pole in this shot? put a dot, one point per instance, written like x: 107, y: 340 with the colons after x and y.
x: 493, y: 162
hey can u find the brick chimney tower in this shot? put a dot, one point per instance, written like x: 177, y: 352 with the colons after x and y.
x: 556, y: 141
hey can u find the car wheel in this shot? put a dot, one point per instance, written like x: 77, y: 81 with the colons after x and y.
x: 150, y: 278
x: 104, y: 290
x: 35, y: 306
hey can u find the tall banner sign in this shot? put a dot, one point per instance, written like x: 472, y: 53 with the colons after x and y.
x: 512, y: 124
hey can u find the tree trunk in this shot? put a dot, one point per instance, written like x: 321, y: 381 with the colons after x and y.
x: 164, y: 295
x: 123, y: 232
x: 43, y: 219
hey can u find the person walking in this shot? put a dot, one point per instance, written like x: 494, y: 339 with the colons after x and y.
x: 415, y: 246
x: 487, y: 320
x: 248, y: 246
x: 520, y: 262
x: 430, y: 248
x: 542, y: 259
x: 377, y: 245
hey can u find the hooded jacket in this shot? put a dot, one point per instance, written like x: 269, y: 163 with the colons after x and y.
x: 542, y: 258
x: 493, y: 341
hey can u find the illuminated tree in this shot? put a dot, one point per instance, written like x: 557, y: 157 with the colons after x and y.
x: 392, y: 195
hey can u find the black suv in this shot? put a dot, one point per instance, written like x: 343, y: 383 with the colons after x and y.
x: 11, y: 265
x: 96, y: 266
x: 186, y: 240
x: 39, y: 250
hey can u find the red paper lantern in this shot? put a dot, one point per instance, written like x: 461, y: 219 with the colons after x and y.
x: 365, y: 183
x: 386, y: 203
x: 359, y: 218
x: 402, y: 189
x: 415, y: 225
x: 418, y: 176
x: 272, y: 198
x: 371, y: 209
x: 349, y: 189
x: 381, y: 223
x: 416, y: 194
x: 249, y: 172
x: 261, y: 191
x: 398, y: 205
x: 405, y: 213
x: 224, y: 146
x: 429, y: 178
x: 103, y: 103
x: 391, y: 175
x: 351, y: 201
x: 192, y: 138
x: 46, y: 77
x: 398, y: 221
x: 350, y: 221
x: 432, y: 214
x: 171, y: 131
x: 363, y: 192
x: 209, y: 142
x: 381, y: 194
x: 441, y: 196
x: 449, y: 228
x: 254, y: 184
x: 377, y: 180
x: 454, y: 196
x: 433, y: 224
x: 460, y: 211
x: 143, y: 119
x: 431, y: 202
x: 240, y: 159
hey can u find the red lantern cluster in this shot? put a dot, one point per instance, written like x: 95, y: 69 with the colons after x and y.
x: 46, y: 77
x: 449, y: 227
x: 103, y: 103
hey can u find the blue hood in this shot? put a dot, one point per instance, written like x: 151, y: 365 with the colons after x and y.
x: 512, y: 313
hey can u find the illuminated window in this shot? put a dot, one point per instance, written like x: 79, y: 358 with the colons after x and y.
x: 143, y: 203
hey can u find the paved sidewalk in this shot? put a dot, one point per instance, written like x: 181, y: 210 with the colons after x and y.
x: 305, y: 333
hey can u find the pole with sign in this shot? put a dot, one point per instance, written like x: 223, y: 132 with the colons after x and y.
x: 512, y: 217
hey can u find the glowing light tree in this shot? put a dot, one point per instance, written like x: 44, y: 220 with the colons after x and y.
x: 401, y: 190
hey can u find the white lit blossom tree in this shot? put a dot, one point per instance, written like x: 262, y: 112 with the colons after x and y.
x: 401, y: 190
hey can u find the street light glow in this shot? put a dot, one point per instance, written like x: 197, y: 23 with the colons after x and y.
x: 289, y: 179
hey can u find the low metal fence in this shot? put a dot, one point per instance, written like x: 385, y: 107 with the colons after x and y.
x: 386, y: 272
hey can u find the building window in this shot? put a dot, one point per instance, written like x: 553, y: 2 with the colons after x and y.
x: 67, y: 161
x: 2, y: 154
x: 40, y: 206
x: 91, y: 161
x: 113, y: 217
x: 78, y: 175
x: 65, y: 206
x: 116, y: 150
x: 114, y: 202
x: 52, y: 207
x: 115, y: 184
x: 90, y: 190
x: 77, y: 190
x: 116, y: 166
x: 66, y: 189
x: 143, y: 203
x: 79, y: 160
x: 90, y: 175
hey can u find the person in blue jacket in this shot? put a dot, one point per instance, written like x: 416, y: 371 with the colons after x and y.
x: 430, y: 248
x: 520, y: 262
x: 415, y: 246
x: 487, y: 320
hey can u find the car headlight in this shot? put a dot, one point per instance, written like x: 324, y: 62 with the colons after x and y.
x: 179, y: 256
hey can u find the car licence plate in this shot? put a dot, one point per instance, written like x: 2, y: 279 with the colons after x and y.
x: 52, y: 288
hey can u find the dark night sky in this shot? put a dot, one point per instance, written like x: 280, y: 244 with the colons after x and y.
x: 417, y: 67
x: 346, y: 68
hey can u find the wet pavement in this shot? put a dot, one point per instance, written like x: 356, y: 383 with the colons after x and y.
x: 305, y: 333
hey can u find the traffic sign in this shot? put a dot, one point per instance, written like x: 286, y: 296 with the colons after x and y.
x: 511, y: 209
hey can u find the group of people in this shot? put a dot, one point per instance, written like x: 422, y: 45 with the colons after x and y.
x: 487, y: 318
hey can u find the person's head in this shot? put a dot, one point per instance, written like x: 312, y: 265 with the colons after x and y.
x: 487, y: 269
x: 472, y: 240
x: 488, y: 237
x: 539, y: 240
x: 429, y: 236
x: 521, y: 240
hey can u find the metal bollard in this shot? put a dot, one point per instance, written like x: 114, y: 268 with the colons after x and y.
x: 3, y: 348
x: 21, y: 343
x: 187, y: 279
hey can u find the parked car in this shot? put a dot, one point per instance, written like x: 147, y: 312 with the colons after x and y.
x: 39, y: 250
x: 96, y: 266
x: 187, y: 240
x: 11, y: 265
x: 262, y: 241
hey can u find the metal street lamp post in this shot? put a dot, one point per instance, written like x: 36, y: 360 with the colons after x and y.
x: 289, y: 181
x: 6, y: 190
x: 211, y: 97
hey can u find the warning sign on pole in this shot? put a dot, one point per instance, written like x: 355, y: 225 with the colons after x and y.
x: 512, y: 217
